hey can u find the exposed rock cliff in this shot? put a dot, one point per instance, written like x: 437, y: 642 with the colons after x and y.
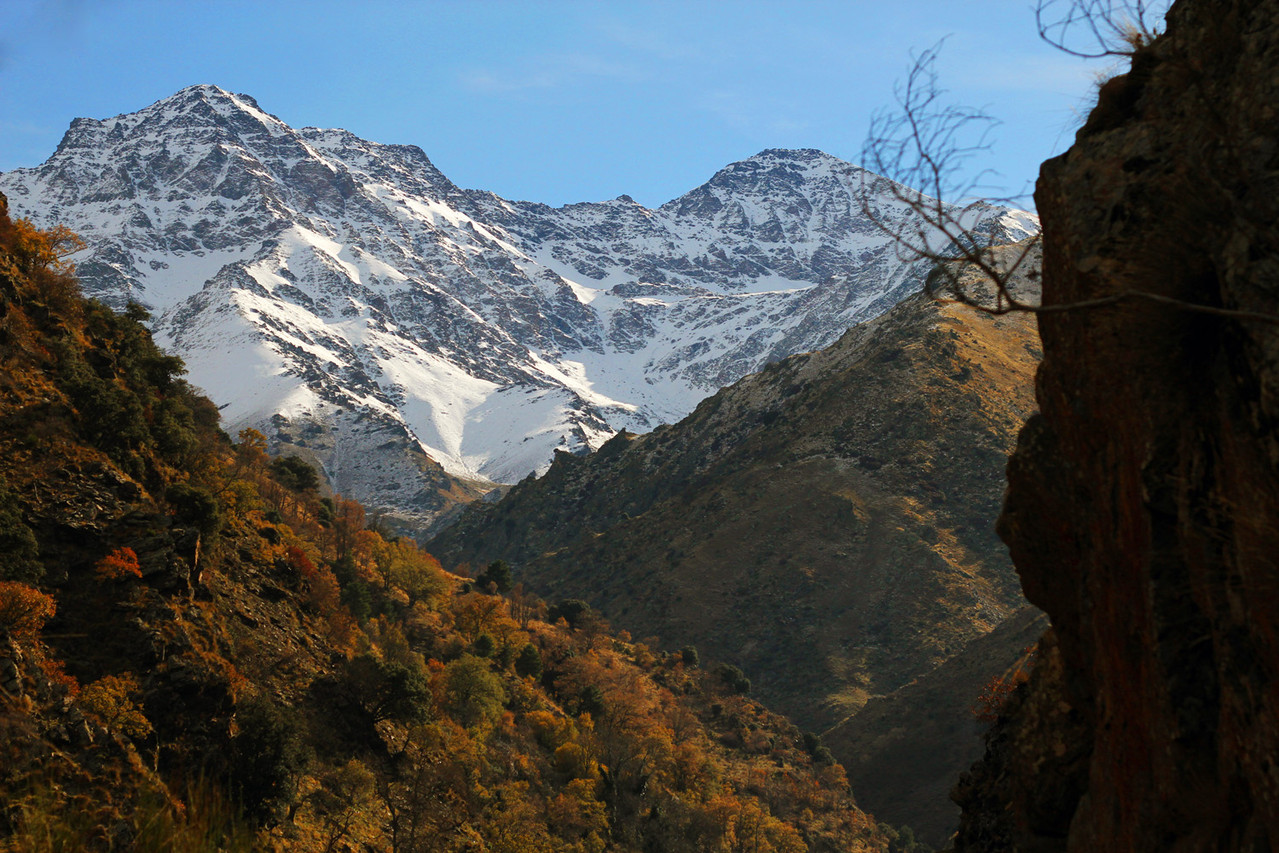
x: 1143, y: 501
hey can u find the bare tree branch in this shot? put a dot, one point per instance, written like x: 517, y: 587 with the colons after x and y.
x: 1093, y: 29
x: 916, y: 155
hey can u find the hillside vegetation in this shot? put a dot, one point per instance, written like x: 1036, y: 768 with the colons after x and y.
x: 827, y: 524
x: 199, y: 651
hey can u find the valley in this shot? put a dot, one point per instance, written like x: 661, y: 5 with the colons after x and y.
x: 822, y: 521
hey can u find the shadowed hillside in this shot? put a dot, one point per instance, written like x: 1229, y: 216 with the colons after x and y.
x: 904, y: 751
x: 826, y: 525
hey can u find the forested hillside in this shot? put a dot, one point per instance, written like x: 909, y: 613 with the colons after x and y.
x: 199, y: 650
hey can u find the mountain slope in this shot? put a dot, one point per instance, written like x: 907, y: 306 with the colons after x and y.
x: 351, y: 301
x: 826, y: 524
x: 199, y: 653
x: 905, y: 751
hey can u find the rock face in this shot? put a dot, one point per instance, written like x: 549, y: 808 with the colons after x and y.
x: 826, y: 524
x: 421, y: 341
x: 1143, y: 512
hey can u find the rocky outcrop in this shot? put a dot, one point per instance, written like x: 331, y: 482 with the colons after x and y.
x: 1144, y: 499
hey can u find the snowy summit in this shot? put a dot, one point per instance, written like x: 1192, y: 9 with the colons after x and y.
x: 348, y: 299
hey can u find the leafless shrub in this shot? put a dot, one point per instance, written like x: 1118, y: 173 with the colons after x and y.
x: 918, y: 154
x: 1098, y: 28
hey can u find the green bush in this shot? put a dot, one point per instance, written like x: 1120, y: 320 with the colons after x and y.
x: 387, y: 691
x: 498, y: 574
x: 473, y: 692
x: 126, y: 391
x: 19, y: 551
x: 574, y: 611
x: 529, y: 662
x: 358, y: 599
x: 195, y: 507
x: 296, y: 474
x: 111, y: 417
x: 902, y: 840
x: 267, y: 758
x: 813, y: 746
x: 484, y: 646
x: 733, y: 678
x: 173, y: 426
x: 590, y: 700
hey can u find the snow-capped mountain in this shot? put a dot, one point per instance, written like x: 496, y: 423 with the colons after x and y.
x: 347, y: 298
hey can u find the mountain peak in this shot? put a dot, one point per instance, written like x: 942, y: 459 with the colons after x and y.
x: 209, y: 93
x: 804, y: 155
x: 206, y: 90
x: 209, y: 100
x: 378, y: 302
x: 198, y: 109
x: 779, y: 164
x: 806, y: 159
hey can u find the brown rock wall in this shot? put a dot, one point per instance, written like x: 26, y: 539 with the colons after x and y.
x: 1143, y: 511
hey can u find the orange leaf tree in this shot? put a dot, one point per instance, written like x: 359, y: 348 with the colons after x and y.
x: 23, y: 609
x: 119, y: 564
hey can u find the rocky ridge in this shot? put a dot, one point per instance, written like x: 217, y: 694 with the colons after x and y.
x: 421, y: 341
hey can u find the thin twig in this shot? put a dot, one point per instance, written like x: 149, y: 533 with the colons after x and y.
x: 1016, y: 306
x: 922, y: 144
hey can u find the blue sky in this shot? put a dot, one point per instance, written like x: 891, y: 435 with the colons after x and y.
x: 548, y: 101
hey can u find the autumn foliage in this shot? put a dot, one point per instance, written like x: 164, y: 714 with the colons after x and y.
x: 23, y: 609
x: 119, y: 564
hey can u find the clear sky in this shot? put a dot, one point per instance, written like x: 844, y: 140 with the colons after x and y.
x: 548, y: 101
